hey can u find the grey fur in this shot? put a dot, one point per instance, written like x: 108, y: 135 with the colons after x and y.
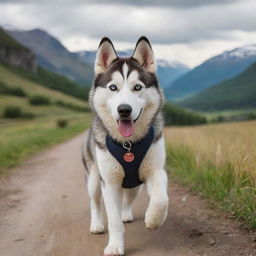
x: 148, y: 78
x: 97, y: 133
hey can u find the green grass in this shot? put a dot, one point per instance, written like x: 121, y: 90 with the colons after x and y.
x: 20, y: 140
x: 13, y: 79
x: 237, y: 196
x: 53, y: 81
x: 42, y: 111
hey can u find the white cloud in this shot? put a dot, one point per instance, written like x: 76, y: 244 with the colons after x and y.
x: 171, y: 3
x: 176, y: 30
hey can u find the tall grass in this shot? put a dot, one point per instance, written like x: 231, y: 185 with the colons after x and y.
x: 219, y: 161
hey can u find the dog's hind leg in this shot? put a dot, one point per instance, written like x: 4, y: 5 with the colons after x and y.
x: 94, y: 191
x: 128, y: 197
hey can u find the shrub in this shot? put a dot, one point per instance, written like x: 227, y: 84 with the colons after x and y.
x: 174, y: 115
x: 2, y: 88
x: 62, y: 123
x: 252, y: 116
x: 39, y: 100
x: 17, y: 91
x: 16, y: 112
x: 12, y: 112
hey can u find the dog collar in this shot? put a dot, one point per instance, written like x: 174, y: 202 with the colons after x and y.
x: 130, y: 156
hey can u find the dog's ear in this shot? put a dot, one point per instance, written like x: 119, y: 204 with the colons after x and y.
x: 105, y: 55
x: 143, y: 53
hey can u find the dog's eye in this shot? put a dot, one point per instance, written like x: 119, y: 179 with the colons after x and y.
x: 137, y: 87
x: 113, y: 87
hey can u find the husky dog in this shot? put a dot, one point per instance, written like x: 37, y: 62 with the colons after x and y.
x: 126, y: 100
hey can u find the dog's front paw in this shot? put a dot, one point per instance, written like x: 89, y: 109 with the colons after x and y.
x: 97, y: 229
x: 156, y: 215
x: 127, y: 216
x: 114, y: 250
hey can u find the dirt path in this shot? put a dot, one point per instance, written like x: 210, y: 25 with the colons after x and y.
x: 44, y: 211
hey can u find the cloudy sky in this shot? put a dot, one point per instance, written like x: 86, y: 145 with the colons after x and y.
x: 189, y: 31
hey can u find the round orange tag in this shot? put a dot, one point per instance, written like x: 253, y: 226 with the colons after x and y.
x: 128, y: 157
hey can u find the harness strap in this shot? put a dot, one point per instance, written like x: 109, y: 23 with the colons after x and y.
x: 138, y: 149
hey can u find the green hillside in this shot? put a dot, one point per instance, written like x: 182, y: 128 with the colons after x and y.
x: 37, y: 108
x: 60, y: 104
x: 12, y: 52
x: 26, y: 127
x: 236, y: 93
x: 53, y: 81
x: 12, y: 78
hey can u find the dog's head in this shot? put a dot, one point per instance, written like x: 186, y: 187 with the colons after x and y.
x: 126, y: 94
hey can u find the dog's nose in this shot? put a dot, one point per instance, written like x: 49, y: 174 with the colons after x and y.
x: 124, y: 110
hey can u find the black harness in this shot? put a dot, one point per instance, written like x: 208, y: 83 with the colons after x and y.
x: 130, y: 157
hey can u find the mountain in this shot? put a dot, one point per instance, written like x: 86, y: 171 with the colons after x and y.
x: 21, y: 61
x: 236, y: 93
x: 13, y: 53
x: 78, y: 66
x: 88, y: 57
x: 52, y: 55
x: 213, y: 71
x: 167, y: 71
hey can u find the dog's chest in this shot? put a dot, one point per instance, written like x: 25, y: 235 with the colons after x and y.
x: 111, y: 170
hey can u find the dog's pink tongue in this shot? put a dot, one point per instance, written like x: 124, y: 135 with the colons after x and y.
x: 125, y: 128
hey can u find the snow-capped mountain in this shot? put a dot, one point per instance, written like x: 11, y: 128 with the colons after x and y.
x: 213, y: 71
x: 170, y: 63
x: 168, y: 70
x: 243, y: 52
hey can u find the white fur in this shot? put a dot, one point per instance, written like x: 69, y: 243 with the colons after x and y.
x: 152, y: 172
x: 118, y: 201
x: 106, y: 102
x: 125, y: 95
x: 94, y: 192
x: 128, y: 198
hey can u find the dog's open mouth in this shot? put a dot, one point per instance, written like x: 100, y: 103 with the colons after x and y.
x: 126, y: 126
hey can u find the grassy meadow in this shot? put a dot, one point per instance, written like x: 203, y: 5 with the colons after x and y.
x: 20, y: 140
x: 219, y: 161
x: 20, y: 137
